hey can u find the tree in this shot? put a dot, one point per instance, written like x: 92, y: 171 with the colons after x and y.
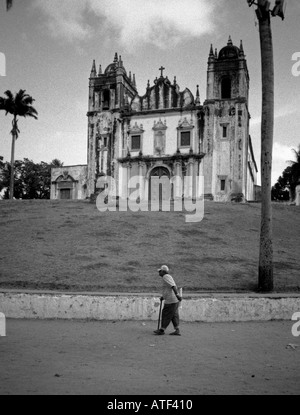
x: 19, y: 105
x: 32, y: 180
x: 9, y: 4
x: 295, y: 172
x: 280, y: 191
x: 263, y: 12
x: 285, y: 188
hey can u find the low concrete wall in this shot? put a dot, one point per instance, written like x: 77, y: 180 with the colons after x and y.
x: 200, y: 308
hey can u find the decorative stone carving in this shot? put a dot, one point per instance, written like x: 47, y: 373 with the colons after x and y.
x: 136, y: 104
x: 232, y: 112
x: 159, y: 137
x: 105, y: 123
x: 188, y: 98
x: 185, y: 124
x: 136, y: 129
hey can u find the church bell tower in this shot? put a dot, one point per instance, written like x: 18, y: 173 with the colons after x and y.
x: 226, y: 135
x: 109, y: 94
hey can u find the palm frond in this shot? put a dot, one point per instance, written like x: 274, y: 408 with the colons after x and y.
x: 18, y: 105
x: 9, y: 4
x: 9, y: 94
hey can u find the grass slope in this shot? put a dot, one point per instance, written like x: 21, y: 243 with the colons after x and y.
x: 70, y: 245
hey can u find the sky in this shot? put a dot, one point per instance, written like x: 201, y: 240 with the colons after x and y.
x: 49, y: 47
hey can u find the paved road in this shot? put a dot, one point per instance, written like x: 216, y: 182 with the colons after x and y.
x: 125, y: 358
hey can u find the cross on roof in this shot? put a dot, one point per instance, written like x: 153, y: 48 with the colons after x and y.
x: 162, y: 69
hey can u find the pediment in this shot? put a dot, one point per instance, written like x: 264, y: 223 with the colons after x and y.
x: 185, y: 124
x: 136, y: 129
x: 160, y: 125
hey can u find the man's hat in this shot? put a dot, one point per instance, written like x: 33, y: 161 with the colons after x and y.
x: 164, y: 268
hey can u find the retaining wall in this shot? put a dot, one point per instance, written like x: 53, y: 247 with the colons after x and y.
x: 198, y: 308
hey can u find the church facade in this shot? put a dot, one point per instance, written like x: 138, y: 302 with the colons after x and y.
x: 168, y: 133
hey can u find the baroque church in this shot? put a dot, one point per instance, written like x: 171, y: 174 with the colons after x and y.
x: 167, y: 132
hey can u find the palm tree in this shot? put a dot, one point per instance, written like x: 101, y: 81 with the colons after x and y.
x: 19, y: 105
x: 263, y: 12
x: 9, y: 4
x: 265, y: 277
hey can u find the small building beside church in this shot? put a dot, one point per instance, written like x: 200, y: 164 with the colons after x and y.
x: 168, y: 132
x: 69, y: 182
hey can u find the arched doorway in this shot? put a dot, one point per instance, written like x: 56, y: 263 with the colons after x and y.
x: 159, y: 184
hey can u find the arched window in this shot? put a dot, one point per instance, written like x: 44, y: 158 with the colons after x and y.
x: 226, y: 88
x: 106, y: 99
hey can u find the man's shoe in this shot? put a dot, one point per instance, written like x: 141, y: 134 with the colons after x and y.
x: 159, y: 332
x: 175, y: 333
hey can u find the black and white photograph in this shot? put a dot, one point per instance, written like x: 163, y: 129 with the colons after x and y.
x: 149, y: 200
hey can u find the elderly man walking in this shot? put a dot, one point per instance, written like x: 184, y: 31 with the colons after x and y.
x: 172, y: 299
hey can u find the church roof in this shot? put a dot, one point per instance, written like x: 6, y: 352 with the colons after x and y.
x: 229, y: 52
x: 164, y: 94
x: 110, y: 69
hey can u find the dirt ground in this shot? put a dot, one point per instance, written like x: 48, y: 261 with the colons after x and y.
x: 125, y: 358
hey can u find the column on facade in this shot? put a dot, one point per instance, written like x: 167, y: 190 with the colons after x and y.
x: 190, y: 178
x: 161, y: 97
x: 146, y: 186
x: 178, y: 185
x: 104, y: 167
x: 123, y: 182
x: 170, y: 98
x: 142, y: 181
x: 128, y: 176
x: 200, y: 180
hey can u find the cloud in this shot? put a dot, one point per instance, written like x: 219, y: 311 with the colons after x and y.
x: 280, y: 113
x: 163, y: 23
x: 65, y: 19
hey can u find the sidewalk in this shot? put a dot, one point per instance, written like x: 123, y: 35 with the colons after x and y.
x: 115, y: 358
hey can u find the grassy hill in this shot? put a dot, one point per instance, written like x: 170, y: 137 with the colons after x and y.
x: 70, y: 245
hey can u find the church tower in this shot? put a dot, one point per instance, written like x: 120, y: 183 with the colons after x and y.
x: 226, y: 135
x: 109, y: 94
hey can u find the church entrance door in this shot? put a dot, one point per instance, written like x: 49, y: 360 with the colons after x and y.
x: 163, y: 190
x: 65, y: 194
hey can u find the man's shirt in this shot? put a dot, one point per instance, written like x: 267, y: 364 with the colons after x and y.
x: 168, y: 293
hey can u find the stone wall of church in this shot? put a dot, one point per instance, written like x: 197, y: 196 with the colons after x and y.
x: 226, y: 148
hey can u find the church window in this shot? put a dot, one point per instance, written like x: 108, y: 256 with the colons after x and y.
x: 226, y: 88
x: 224, y: 131
x: 135, y: 142
x: 223, y: 185
x: 185, y: 139
x: 106, y: 99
